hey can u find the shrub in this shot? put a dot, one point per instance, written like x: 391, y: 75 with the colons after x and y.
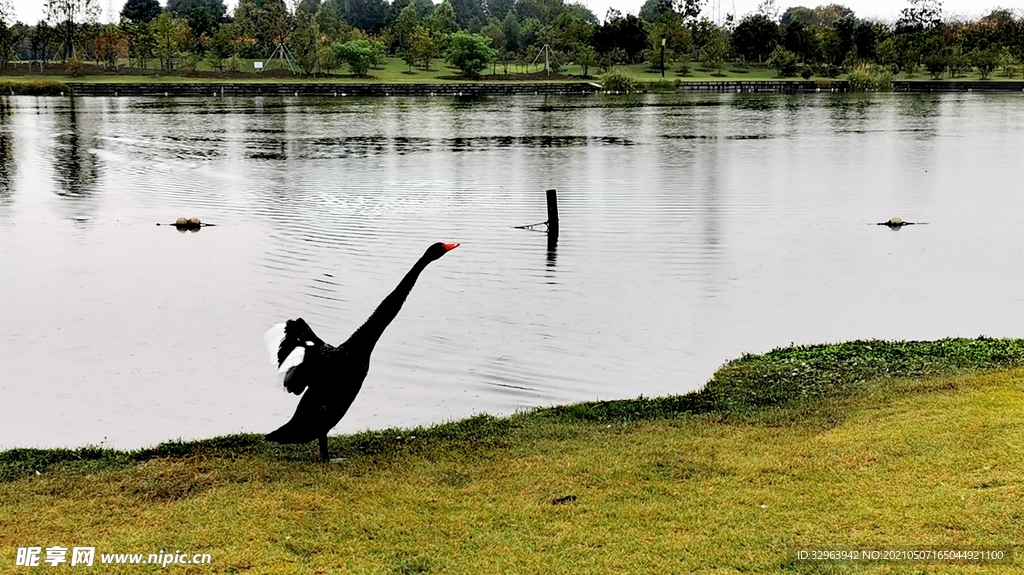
x: 358, y: 54
x: 783, y: 61
x: 35, y: 88
x: 616, y: 82
x: 985, y: 61
x: 663, y: 86
x: 806, y: 74
x: 936, y: 65
x: 470, y: 53
x: 871, y: 78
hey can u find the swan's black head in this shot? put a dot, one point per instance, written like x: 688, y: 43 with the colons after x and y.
x: 437, y: 250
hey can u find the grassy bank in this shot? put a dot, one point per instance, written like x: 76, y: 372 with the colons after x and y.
x: 866, y: 444
x: 396, y: 71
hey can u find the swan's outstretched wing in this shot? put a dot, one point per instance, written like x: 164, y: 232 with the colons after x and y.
x: 294, y: 351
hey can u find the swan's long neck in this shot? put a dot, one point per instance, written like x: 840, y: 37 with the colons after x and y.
x: 368, y: 334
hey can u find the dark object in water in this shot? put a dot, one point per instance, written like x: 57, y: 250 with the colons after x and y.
x: 561, y: 500
x: 895, y: 222
x: 332, y: 376
x: 185, y: 224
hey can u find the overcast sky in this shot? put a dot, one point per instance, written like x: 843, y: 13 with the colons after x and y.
x: 31, y: 11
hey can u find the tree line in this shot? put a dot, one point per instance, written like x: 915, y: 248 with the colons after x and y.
x: 353, y: 36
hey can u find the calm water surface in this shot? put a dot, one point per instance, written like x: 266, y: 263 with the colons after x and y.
x: 693, y: 229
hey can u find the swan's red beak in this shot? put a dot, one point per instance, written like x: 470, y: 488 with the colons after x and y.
x: 450, y: 247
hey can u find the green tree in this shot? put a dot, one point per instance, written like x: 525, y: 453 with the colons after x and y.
x: 304, y: 43
x: 800, y: 40
x: 443, y: 20
x: 935, y: 63
x: 985, y: 61
x: 586, y: 57
x: 652, y: 9
x: 329, y: 20
x: 10, y: 39
x: 510, y: 27
x: 67, y: 17
x: 136, y: 11
x: 423, y: 47
x: 308, y: 7
x: 470, y: 53
x: 783, y: 61
x: 215, y: 9
x: 713, y: 53
x: 404, y: 24
x: 358, y: 54
x: 755, y: 37
x: 672, y: 28
x: 41, y: 42
x: 367, y: 15
x: 920, y: 14
x: 171, y: 34
x: 222, y: 46
x: 141, y: 43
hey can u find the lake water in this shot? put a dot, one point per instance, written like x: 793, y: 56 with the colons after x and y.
x: 693, y: 229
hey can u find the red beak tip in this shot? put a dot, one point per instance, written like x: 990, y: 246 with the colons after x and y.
x: 450, y: 247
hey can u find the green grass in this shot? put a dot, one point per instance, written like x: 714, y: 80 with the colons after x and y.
x: 396, y: 71
x: 864, y: 444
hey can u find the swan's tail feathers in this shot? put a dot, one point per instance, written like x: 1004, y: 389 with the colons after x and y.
x: 293, y: 347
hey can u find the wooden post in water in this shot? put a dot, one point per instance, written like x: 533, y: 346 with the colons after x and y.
x: 552, y: 212
x: 552, y: 220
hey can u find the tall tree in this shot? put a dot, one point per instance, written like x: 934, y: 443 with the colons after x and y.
x: 802, y: 14
x: 651, y: 9
x: 628, y: 34
x: 510, y: 27
x: 329, y: 20
x: 691, y: 9
x: 214, y: 8
x: 827, y: 15
x: 368, y: 15
x: 920, y: 14
x: 470, y: 53
x: 799, y: 39
x: 755, y: 37
x: 67, y: 16
x: 404, y: 25
x: 171, y: 35
x: 41, y: 41
x: 136, y: 11
x: 466, y: 10
x: 443, y: 20
x: 307, y: 7
x: 304, y: 42
x: 6, y: 12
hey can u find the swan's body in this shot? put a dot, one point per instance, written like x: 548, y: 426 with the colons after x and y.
x: 332, y: 376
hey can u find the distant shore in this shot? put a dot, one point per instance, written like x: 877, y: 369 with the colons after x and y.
x: 153, y: 86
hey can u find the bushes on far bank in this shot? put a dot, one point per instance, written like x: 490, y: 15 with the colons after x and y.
x: 34, y: 88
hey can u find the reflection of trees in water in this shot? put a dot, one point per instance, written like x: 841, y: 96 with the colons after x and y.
x: 6, y: 152
x: 75, y: 166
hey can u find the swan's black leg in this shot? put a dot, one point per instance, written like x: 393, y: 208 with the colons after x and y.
x: 324, y: 456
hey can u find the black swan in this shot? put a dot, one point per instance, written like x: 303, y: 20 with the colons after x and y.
x: 332, y: 376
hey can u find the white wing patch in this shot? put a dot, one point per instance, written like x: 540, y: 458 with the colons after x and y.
x: 273, y: 339
x: 293, y: 360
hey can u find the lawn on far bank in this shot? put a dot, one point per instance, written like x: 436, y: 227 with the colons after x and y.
x: 863, y: 445
x: 396, y: 71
